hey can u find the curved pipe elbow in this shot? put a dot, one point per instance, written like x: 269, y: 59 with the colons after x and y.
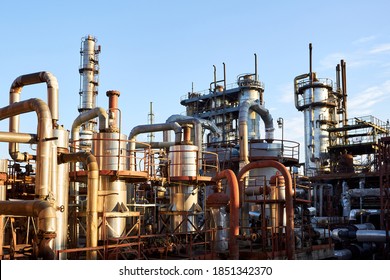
x: 157, y: 127
x: 36, y: 78
x: 87, y: 116
x: 262, y: 112
x: 290, y: 240
x: 234, y: 209
x: 296, y: 90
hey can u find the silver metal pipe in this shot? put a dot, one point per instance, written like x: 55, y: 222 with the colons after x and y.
x: 151, y: 128
x: 296, y: 90
x: 364, y: 192
x: 85, y: 117
x: 354, y: 212
x: 45, y: 139
x: 245, y: 107
x: 46, y: 215
x: 157, y: 127
x: 52, y: 101
x: 371, y: 235
x: 92, y: 195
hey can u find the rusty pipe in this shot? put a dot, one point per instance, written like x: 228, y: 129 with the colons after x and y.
x: 290, y: 242
x: 234, y: 209
x: 92, y: 194
x: 52, y: 101
x: 45, y: 140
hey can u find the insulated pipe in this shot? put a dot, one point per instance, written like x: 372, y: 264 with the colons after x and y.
x: 234, y: 209
x: 45, y: 137
x: 151, y: 128
x: 92, y: 194
x: 18, y: 137
x: 361, y: 235
x: 157, y: 127
x: 198, y: 124
x: 85, y: 117
x: 243, y: 125
x: 52, y: 101
x: 290, y: 242
x: 354, y: 212
x: 46, y: 215
x: 375, y: 192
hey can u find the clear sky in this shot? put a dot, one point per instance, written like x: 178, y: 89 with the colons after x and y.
x: 152, y: 51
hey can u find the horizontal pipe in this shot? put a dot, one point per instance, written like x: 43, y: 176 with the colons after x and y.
x: 14, y: 137
x: 364, y: 192
x: 157, y: 127
x: 354, y: 212
x: 36, y: 78
x: 379, y: 236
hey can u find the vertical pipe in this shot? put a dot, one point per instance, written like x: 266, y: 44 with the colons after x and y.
x: 92, y: 194
x: 344, y: 89
x: 224, y: 102
x: 256, y: 67
x: 45, y: 140
x: 310, y: 62
x: 290, y: 240
x: 234, y: 209
x: 215, y: 77
x: 113, y: 96
x: 15, y: 91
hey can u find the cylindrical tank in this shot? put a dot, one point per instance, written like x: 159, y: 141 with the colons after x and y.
x: 183, y: 160
x: 110, y: 152
x: 183, y: 197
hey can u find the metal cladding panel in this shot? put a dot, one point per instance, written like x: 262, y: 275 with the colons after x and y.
x: 183, y: 160
x: 110, y: 151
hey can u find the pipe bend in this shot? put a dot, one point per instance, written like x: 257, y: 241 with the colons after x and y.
x: 231, y: 178
x: 290, y: 239
x: 157, y: 127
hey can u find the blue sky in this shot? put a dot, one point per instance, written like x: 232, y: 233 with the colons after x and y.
x: 152, y: 51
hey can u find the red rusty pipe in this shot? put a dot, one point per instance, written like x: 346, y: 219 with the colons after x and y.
x: 290, y: 241
x: 234, y: 209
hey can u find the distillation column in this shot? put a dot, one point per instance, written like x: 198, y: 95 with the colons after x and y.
x: 318, y: 102
x: 89, y: 81
x: 109, y: 148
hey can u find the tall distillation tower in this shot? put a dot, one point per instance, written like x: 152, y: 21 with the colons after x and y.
x: 89, y: 81
x: 318, y: 102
